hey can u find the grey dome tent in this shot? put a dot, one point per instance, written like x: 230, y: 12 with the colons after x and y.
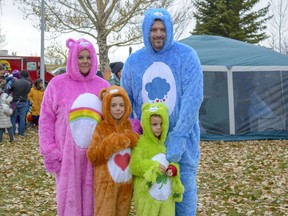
x: 245, y: 89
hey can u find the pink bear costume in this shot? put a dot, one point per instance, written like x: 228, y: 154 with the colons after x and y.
x: 70, y: 111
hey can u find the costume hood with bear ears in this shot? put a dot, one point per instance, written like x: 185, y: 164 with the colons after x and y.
x: 106, y: 96
x: 75, y: 47
x: 149, y: 17
x: 160, y: 109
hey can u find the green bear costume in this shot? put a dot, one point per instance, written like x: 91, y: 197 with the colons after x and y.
x: 155, y: 193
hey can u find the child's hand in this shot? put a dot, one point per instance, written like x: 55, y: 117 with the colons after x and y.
x: 169, y: 172
x: 162, y: 168
x: 132, y: 136
x: 124, y: 142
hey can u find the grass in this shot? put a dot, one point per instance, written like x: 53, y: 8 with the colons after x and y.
x: 234, y: 178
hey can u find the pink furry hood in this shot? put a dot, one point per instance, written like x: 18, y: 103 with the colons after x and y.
x: 75, y: 47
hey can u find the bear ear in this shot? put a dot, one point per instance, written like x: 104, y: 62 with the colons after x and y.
x: 70, y: 42
x: 102, y: 93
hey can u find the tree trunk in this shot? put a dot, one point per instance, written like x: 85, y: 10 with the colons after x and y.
x: 103, y: 52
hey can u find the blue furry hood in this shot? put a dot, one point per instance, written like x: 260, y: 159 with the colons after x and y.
x: 149, y: 17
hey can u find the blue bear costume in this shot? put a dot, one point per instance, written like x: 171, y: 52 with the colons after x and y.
x: 172, y: 75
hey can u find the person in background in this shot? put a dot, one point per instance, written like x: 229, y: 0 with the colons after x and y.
x: 20, y: 90
x: 99, y: 73
x: 15, y: 75
x: 167, y: 71
x: 2, y: 78
x: 70, y: 111
x: 107, y: 72
x: 110, y: 151
x: 5, y: 113
x: 157, y: 184
x: 116, y: 73
x: 35, y: 97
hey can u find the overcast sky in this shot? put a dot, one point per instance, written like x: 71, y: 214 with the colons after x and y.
x: 24, y: 39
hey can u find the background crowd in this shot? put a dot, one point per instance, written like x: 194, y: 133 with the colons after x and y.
x: 20, y: 98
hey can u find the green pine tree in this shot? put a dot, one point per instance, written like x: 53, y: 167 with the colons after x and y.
x: 231, y: 18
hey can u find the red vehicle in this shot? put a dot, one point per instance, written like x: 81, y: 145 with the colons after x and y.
x: 29, y: 63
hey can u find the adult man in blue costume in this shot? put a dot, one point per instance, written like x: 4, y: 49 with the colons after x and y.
x: 170, y: 72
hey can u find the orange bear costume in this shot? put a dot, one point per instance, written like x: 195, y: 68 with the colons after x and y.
x: 109, y: 152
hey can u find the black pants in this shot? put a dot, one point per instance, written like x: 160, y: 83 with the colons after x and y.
x: 10, y: 132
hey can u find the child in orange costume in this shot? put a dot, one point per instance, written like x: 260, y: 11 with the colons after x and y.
x: 110, y: 151
x: 35, y: 97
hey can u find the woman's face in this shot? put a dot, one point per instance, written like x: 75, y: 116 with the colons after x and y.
x: 84, y: 62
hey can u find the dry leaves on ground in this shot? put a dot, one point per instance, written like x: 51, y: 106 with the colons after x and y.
x: 234, y: 178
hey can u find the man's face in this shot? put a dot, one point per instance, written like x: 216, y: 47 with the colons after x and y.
x: 157, y: 35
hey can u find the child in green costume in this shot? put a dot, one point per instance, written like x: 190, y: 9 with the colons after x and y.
x: 156, y: 182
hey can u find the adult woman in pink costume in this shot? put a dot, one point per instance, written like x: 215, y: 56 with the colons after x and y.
x: 69, y: 113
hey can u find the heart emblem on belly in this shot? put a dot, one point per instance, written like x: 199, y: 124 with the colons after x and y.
x: 122, y: 161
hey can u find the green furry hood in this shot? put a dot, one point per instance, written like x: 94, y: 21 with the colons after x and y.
x: 149, y: 109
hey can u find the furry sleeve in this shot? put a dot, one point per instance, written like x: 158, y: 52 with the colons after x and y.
x: 191, y: 96
x: 133, y: 137
x: 48, y: 146
x: 101, y: 149
x: 126, y: 80
x: 177, y: 187
x: 143, y: 167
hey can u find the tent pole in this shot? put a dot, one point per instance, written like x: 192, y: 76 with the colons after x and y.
x: 231, y: 101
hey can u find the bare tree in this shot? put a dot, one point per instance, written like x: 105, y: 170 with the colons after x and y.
x: 1, y: 2
x: 112, y: 23
x: 2, y: 39
x: 278, y: 26
x: 56, y: 52
x: 2, y: 35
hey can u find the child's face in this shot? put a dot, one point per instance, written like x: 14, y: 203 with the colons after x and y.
x: 156, y: 125
x: 117, y: 107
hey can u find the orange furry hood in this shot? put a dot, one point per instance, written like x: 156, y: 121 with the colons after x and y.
x: 106, y: 95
